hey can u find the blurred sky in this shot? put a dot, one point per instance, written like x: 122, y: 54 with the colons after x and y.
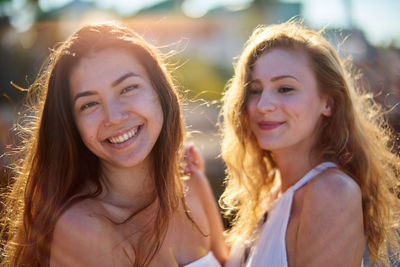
x: 378, y: 19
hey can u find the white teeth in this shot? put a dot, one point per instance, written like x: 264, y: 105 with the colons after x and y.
x: 122, y: 138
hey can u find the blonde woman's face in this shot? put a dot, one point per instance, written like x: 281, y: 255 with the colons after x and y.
x: 116, y: 109
x: 283, y: 106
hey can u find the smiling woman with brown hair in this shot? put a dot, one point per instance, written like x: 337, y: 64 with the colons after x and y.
x: 309, y: 157
x: 98, y: 183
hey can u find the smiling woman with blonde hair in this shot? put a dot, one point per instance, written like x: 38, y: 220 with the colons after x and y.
x: 310, y: 161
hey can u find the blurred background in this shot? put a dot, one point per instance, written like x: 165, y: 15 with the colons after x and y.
x: 206, y: 36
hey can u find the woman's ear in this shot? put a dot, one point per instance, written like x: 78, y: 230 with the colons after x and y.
x: 327, y: 109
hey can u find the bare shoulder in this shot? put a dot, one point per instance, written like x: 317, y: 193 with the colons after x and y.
x: 333, y: 184
x: 333, y: 188
x: 331, y: 221
x: 332, y: 199
x: 86, y: 217
x: 83, y: 236
x: 82, y: 215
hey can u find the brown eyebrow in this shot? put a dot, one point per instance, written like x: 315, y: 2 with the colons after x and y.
x: 113, y: 84
x: 273, y: 79
x: 122, y: 78
x: 85, y: 93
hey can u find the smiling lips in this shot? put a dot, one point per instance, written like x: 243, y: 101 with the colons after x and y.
x: 269, y: 125
x: 125, y: 136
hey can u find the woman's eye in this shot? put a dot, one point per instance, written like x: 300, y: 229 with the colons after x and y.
x: 129, y: 88
x: 88, y: 105
x: 285, y: 89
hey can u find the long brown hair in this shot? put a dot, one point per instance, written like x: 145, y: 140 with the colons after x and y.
x: 356, y: 137
x: 55, y: 165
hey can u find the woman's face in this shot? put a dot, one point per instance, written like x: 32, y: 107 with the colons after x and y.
x: 283, y: 106
x: 116, y: 108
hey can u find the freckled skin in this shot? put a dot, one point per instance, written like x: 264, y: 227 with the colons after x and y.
x: 113, y: 110
x: 105, y: 109
x: 284, y: 90
x: 284, y: 111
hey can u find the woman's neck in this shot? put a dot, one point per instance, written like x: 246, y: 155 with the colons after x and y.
x: 130, y: 188
x: 293, y: 165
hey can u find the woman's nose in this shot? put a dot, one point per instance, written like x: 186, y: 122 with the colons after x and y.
x: 115, y: 113
x: 267, y: 102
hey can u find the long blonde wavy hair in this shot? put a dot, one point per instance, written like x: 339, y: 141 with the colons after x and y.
x: 356, y: 137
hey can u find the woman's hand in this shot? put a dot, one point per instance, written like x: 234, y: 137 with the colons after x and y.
x: 193, y: 159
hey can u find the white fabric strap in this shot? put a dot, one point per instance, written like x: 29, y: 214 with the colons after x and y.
x: 311, y: 174
x: 208, y: 260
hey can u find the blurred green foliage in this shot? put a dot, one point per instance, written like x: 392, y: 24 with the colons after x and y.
x: 199, y: 78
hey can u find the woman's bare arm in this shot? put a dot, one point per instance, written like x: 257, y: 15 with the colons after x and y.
x: 199, y: 183
x: 330, y: 230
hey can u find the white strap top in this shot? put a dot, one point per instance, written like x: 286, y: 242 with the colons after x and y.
x: 270, y: 248
x: 207, y: 261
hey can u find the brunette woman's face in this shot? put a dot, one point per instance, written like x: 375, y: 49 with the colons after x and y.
x: 283, y: 105
x: 116, y: 109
